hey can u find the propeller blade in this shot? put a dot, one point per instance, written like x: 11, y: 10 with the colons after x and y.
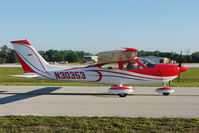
x: 180, y: 65
x: 179, y: 78
x: 180, y: 59
x: 170, y: 83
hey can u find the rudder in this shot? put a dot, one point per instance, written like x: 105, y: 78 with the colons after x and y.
x: 29, y: 58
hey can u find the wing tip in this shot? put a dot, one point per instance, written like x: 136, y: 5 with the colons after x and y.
x: 130, y: 49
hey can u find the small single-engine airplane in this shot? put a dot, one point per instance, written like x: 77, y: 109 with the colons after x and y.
x: 119, y: 68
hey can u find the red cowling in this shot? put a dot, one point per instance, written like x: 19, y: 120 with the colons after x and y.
x: 183, y: 69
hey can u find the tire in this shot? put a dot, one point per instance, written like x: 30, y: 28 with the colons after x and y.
x: 122, y: 94
x: 165, y: 93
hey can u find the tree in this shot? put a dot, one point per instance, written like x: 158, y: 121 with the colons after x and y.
x: 4, y: 53
x: 195, y: 57
x: 12, y: 57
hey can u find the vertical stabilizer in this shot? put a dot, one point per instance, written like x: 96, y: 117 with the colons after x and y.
x: 29, y: 58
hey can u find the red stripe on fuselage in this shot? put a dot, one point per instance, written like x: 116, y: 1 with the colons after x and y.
x: 130, y: 75
x: 100, y: 75
x: 74, y: 68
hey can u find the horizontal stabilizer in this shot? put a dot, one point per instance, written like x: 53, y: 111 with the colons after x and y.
x: 26, y: 75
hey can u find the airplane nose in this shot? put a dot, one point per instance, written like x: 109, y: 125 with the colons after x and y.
x: 183, y: 69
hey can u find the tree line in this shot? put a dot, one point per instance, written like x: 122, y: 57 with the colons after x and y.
x: 7, y: 55
x: 193, y: 58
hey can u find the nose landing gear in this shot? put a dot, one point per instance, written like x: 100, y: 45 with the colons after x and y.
x: 165, y: 91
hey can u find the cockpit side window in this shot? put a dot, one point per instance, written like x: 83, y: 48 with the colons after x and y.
x: 147, y: 63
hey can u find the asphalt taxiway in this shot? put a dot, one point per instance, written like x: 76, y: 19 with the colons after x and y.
x: 96, y: 101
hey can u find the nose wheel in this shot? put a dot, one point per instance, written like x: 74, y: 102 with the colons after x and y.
x: 165, y: 91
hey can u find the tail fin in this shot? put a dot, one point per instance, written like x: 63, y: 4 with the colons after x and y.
x: 30, y: 59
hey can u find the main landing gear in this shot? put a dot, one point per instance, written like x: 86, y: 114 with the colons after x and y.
x: 121, y: 90
x: 124, y: 90
x: 122, y: 94
x: 165, y: 90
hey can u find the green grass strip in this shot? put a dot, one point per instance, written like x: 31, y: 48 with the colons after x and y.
x: 96, y: 124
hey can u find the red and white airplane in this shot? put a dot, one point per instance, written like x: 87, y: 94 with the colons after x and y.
x: 119, y: 68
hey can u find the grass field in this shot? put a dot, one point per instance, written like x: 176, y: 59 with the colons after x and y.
x: 189, y: 78
x: 96, y: 124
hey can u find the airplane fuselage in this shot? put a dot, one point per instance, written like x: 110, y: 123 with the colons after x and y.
x: 98, y: 75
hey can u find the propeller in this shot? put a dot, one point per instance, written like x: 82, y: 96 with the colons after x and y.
x: 179, y: 65
x: 170, y: 83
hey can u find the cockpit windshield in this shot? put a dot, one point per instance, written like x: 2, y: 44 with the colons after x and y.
x: 147, y: 63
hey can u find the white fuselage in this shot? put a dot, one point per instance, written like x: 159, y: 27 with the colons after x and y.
x: 103, y: 76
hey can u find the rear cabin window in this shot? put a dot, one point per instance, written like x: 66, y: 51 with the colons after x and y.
x: 111, y: 66
x: 132, y: 65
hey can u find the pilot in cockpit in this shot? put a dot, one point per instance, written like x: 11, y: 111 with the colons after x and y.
x: 131, y: 65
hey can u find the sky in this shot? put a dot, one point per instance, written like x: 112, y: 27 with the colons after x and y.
x: 101, y: 25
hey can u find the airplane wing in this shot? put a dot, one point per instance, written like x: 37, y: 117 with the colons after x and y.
x: 26, y: 75
x: 117, y: 55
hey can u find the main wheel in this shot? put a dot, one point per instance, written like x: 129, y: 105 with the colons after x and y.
x: 165, y: 93
x: 122, y: 94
